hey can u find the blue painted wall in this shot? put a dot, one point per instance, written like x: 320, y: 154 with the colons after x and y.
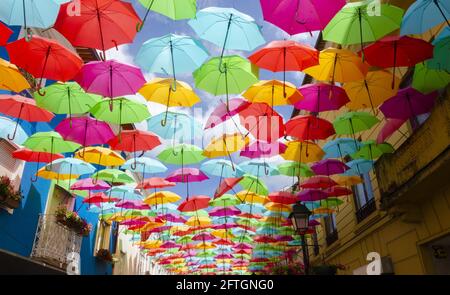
x: 17, y: 231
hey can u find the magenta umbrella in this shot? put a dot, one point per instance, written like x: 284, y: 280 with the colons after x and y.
x: 225, y: 211
x: 284, y: 238
x: 203, y: 236
x: 329, y: 167
x: 389, y: 128
x: 221, y: 114
x: 173, y: 218
x: 260, y: 149
x: 408, y: 103
x: 110, y: 79
x: 243, y: 246
x: 300, y: 16
x: 224, y: 256
x: 169, y: 245
x: 89, y: 184
x: 321, y: 97
x: 132, y: 204
x: 225, y: 225
x: 187, y: 175
x: 85, y: 131
x: 133, y: 222
x: 311, y: 195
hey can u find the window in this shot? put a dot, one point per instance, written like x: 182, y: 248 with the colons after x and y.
x: 330, y: 228
x: 364, y: 198
x: 60, y: 197
x: 417, y: 121
x: 103, y: 236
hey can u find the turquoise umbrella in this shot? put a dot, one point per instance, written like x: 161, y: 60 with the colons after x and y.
x: 124, y: 192
x: 71, y: 166
x: 222, y: 168
x: 29, y: 13
x: 6, y: 125
x: 144, y: 165
x: 358, y: 167
x: 171, y: 54
x: 423, y: 15
x: 440, y: 60
x: 257, y: 167
x: 176, y: 126
x: 340, y: 147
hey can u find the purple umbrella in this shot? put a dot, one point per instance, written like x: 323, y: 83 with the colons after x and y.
x: 408, y: 103
x: 313, y: 222
x: 311, y: 195
x: 173, y: 218
x: 329, y: 167
x: 132, y: 204
x: 187, y: 175
x: 321, y: 97
x: 169, y: 245
x: 389, y: 128
x: 85, y: 131
x: 225, y: 226
x: 260, y: 149
x: 221, y: 114
x: 284, y: 238
x: 225, y: 211
x: 243, y: 246
x: 300, y: 16
x: 110, y: 79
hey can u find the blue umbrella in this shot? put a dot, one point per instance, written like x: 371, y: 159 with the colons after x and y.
x: 104, y: 208
x: 176, y: 126
x: 70, y: 166
x: 166, y: 209
x: 340, y: 147
x: 266, y: 230
x: 254, y: 208
x: 358, y: 167
x: 258, y: 166
x: 222, y: 168
x: 29, y: 13
x: 6, y: 125
x: 171, y: 54
x: 124, y: 192
x: 144, y: 165
x: 423, y: 15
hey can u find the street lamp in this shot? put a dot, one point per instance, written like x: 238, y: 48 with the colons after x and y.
x: 300, y: 220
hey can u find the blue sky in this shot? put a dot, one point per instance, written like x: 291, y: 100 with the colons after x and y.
x: 158, y: 25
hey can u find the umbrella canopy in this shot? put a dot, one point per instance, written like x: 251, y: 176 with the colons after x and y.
x: 49, y: 142
x: 225, y: 145
x: 427, y: 80
x: 316, y: 182
x: 90, y: 184
x: 272, y: 92
x: 329, y: 167
x: 6, y: 125
x: 134, y: 140
x: 85, y: 131
x: 371, y: 150
x: 144, y: 165
x: 154, y: 182
x: 283, y: 198
x: 162, y: 197
x: 70, y: 166
x: 295, y: 169
x: 311, y: 195
x: 338, y: 191
x: 423, y: 15
x: 187, y: 175
x: 221, y: 114
x: 359, y: 167
x: 221, y: 167
x: 408, y: 103
x: 340, y: 147
x: 353, y: 122
x: 303, y: 152
x: 100, y: 156
x: 258, y: 167
x: 194, y: 203
x: 260, y: 149
x: 309, y: 128
x: 225, y: 201
x: 300, y: 16
x: 441, y: 47
x: 5, y: 34
x: 99, y: 24
x: 225, y: 185
x: 174, y: 9
x: 113, y: 176
x: 10, y: 77
x: 175, y: 126
x: 254, y: 184
x: 321, y: 97
x: 182, y: 154
x: 391, y: 126
x: 31, y: 156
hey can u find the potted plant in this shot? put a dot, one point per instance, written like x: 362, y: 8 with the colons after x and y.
x: 104, y: 255
x: 73, y: 221
x: 9, y: 196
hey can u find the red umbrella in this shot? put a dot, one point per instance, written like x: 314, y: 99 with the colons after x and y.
x: 309, y: 128
x: 44, y: 58
x: 100, y: 24
x: 204, y: 236
x: 194, y: 203
x: 28, y: 155
x: 283, y: 198
x: 222, y: 113
x: 250, y: 215
x: 397, y: 51
x: 5, y: 33
x: 99, y: 198
x: 316, y: 182
x: 262, y: 122
x: 338, y: 191
x: 226, y: 185
x: 23, y: 108
x: 154, y: 183
x: 223, y: 242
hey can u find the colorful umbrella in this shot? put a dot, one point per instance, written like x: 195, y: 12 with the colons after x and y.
x: 174, y: 9
x: 441, y: 48
x: 340, y: 147
x: 225, y: 185
x: 321, y: 97
x: 99, y: 24
x: 38, y: 157
x: 408, y: 103
x: 44, y: 58
x: 5, y: 34
x: 300, y: 16
x: 427, y: 80
x: 353, y: 122
x: 359, y: 167
x: 295, y: 169
x: 90, y: 185
x: 175, y: 126
x: 329, y: 167
x: 311, y: 195
x: 254, y: 184
x: 187, y: 175
x: 69, y: 166
x: 221, y: 114
x: 100, y: 156
x: 182, y: 154
x: 10, y: 77
x: 50, y: 142
x: 309, y: 128
x: 272, y: 92
x: 113, y: 176
x: 154, y: 182
x: 303, y: 152
x: 370, y: 150
x: 391, y: 126
x: 225, y: 145
x: 257, y: 166
x: 222, y: 168
x: 144, y: 165
x: 260, y: 149
x: 195, y: 203
x: 22, y: 108
x: 423, y: 15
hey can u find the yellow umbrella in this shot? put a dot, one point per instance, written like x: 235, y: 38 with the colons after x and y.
x: 251, y: 197
x: 205, y: 245
x: 162, y: 197
x: 338, y: 65
x: 222, y: 234
x: 223, y: 261
x: 273, y: 92
x: 345, y: 180
x: 10, y: 77
x: 270, y: 220
x: 303, y: 151
x: 160, y: 90
x: 100, y: 155
x: 225, y: 145
x: 371, y: 91
x: 54, y: 176
x: 278, y: 207
x: 198, y: 221
x: 154, y: 223
x: 323, y: 211
x: 151, y: 244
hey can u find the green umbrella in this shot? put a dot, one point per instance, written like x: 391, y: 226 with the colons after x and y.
x: 224, y: 201
x: 248, y: 222
x: 245, y: 238
x: 124, y: 111
x: 174, y: 9
x: 113, y: 175
x: 356, y: 24
x: 206, y: 254
x: 184, y: 239
x: 182, y: 154
x: 254, y: 184
x: 293, y: 169
x: 330, y: 202
x: 370, y: 150
x: 427, y: 80
x: 353, y: 122
x: 66, y: 98
x: 229, y: 75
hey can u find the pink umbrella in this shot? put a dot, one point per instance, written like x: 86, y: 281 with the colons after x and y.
x: 87, y: 184
x: 221, y: 114
x: 225, y: 226
x: 338, y: 191
x: 85, y: 131
x: 169, y: 245
x: 313, y: 223
x: 133, y: 222
x: 283, y: 197
x: 132, y: 204
x: 300, y: 16
x: 226, y: 211
x: 224, y: 256
x: 110, y: 79
x: 260, y: 149
x: 284, y: 238
x: 389, y: 128
x: 329, y: 167
x: 318, y: 181
x: 311, y: 195
x: 321, y: 97
x: 204, y: 236
x: 408, y: 103
x: 173, y: 218
x: 187, y: 175
x: 243, y: 246
x: 226, y: 185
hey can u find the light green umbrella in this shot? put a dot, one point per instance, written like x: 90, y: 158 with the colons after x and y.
x: 50, y: 142
x: 225, y: 201
x: 174, y: 9
x: 295, y: 169
x: 182, y: 154
x: 356, y: 24
x: 229, y: 75
x: 66, y: 98
x: 354, y: 122
x: 370, y: 150
x: 113, y: 175
x: 427, y: 80
x: 254, y: 184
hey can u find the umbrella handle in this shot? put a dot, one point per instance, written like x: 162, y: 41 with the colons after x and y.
x: 28, y: 35
x: 15, y: 131
x: 266, y: 171
x: 111, y: 105
x: 34, y: 179
x: 142, y: 153
x: 134, y: 164
x: 102, y: 55
x: 139, y: 26
x: 41, y: 92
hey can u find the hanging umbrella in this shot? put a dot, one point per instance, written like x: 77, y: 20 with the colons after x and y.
x: 175, y: 126
x: 423, y: 15
x: 226, y: 75
x: 303, y: 152
x: 254, y: 184
x: 222, y: 168
x: 187, y: 175
x: 110, y: 79
x: 154, y: 182
x: 27, y: 14
x: 50, y: 175
x: 260, y: 149
x: 321, y: 97
x: 329, y: 167
x: 182, y: 154
x: 427, y: 80
x: 273, y: 92
x: 113, y: 176
x: 5, y: 34
x: 372, y: 91
x: 309, y: 128
x: 99, y: 198
x: 10, y: 77
x: 99, y: 24
x: 221, y: 114
x: 225, y: 185
x: 225, y: 145
x: 22, y: 108
x: 408, y: 103
x: 38, y: 157
x: 395, y: 51
x: 133, y: 204
x: 174, y: 9
x: 100, y: 156
x: 356, y: 24
x: 370, y: 150
x: 262, y: 122
x: 283, y: 198
x: 89, y: 185
x: 389, y: 128
x: 311, y: 195
x: 340, y: 147
x: 50, y: 142
x: 194, y: 203
x: 354, y: 122
x: 338, y: 65
x: 346, y: 180
x: 441, y: 48
x: 70, y: 166
x: 300, y: 16
x: 66, y: 98
x: 44, y: 58
x: 359, y: 167
x: 338, y: 191
x: 144, y: 165
x: 295, y: 169
x: 258, y: 167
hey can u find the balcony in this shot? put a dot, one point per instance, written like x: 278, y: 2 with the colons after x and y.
x: 331, y: 237
x: 54, y: 242
x: 420, y: 164
x: 363, y: 212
